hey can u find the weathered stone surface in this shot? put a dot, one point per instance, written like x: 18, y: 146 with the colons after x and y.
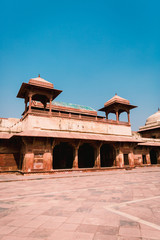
x: 29, y: 143
x: 8, y: 162
x: 71, y: 206
x: 28, y: 162
x: 47, y: 161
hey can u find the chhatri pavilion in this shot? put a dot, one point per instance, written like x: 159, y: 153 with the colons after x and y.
x: 53, y: 135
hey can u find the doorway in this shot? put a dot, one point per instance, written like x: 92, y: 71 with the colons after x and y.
x: 126, y: 160
x: 108, y: 155
x: 86, y: 156
x: 62, y: 156
x: 153, y: 156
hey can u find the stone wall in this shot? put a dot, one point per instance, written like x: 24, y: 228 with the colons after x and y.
x: 66, y: 124
x: 37, y: 154
x: 138, y: 155
x: 8, y: 162
x: 10, y: 125
x: 9, y: 155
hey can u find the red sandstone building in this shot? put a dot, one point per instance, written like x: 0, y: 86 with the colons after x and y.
x: 53, y: 135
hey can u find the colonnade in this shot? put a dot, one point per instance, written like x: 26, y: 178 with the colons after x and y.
x: 80, y: 154
x: 104, y: 155
x: 118, y: 113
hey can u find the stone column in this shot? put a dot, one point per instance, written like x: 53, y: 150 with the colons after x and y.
x: 128, y: 117
x: 140, y: 160
x: 55, y: 142
x: 120, y: 159
x: 28, y: 162
x: 25, y: 104
x: 131, y: 159
x: 50, y: 106
x: 30, y: 102
x: 107, y: 115
x: 117, y: 116
x: 75, y: 160
x: 148, y: 158
x: 76, y: 146
x: 158, y: 157
x: 97, y: 162
x: 47, y: 161
x: 117, y: 158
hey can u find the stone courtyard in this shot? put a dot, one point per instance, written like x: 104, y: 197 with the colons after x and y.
x: 110, y: 205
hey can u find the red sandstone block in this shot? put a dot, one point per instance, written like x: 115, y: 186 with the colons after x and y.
x: 22, y: 232
x: 130, y: 232
x: 7, y: 229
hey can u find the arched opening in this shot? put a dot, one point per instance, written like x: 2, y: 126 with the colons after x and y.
x: 112, y: 116
x: 40, y: 98
x: 126, y: 159
x: 86, y: 156
x: 108, y: 155
x: 123, y: 117
x: 62, y: 156
x: 153, y: 156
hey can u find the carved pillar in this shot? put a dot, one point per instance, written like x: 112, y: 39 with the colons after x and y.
x: 28, y: 155
x: 97, y: 162
x: 117, y: 157
x: 50, y: 106
x: 54, y: 143
x: 131, y: 159
x: 25, y: 100
x: 47, y: 161
x: 44, y: 104
x: 75, y: 155
x: 75, y: 160
x: 158, y: 157
x: 30, y: 102
x: 106, y: 115
x: 117, y: 116
x: 128, y: 117
x: 120, y: 159
x: 28, y: 162
x: 148, y: 158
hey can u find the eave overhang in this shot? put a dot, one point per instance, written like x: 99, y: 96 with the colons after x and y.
x: 25, y: 87
x: 76, y: 135
x: 149, y: 128
x: 110, y: 107
x: 153, y: 144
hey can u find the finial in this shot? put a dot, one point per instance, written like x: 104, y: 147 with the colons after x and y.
x: 115, y: 94
x: 158, y: 109
x: 38, y: 75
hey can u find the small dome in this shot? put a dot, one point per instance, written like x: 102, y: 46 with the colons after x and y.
x: 155, y: 118
x: 38, y: 81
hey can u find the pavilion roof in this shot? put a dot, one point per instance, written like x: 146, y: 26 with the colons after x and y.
x: 117, y: 101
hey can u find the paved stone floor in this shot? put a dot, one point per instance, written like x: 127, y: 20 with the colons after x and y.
x: 110, y: 205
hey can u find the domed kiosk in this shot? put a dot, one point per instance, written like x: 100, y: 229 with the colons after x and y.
x: 152, y: 126
x: 37, y: 89
x: 152, y: 130
x: 153, y: 119
x: 117, y: 105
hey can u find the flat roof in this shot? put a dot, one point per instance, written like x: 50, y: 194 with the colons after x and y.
x: 72, y: 105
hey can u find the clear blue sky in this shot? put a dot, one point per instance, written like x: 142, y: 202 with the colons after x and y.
x: 89, y: 49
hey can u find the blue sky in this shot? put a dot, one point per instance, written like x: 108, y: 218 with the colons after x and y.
x: 89, y: 49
